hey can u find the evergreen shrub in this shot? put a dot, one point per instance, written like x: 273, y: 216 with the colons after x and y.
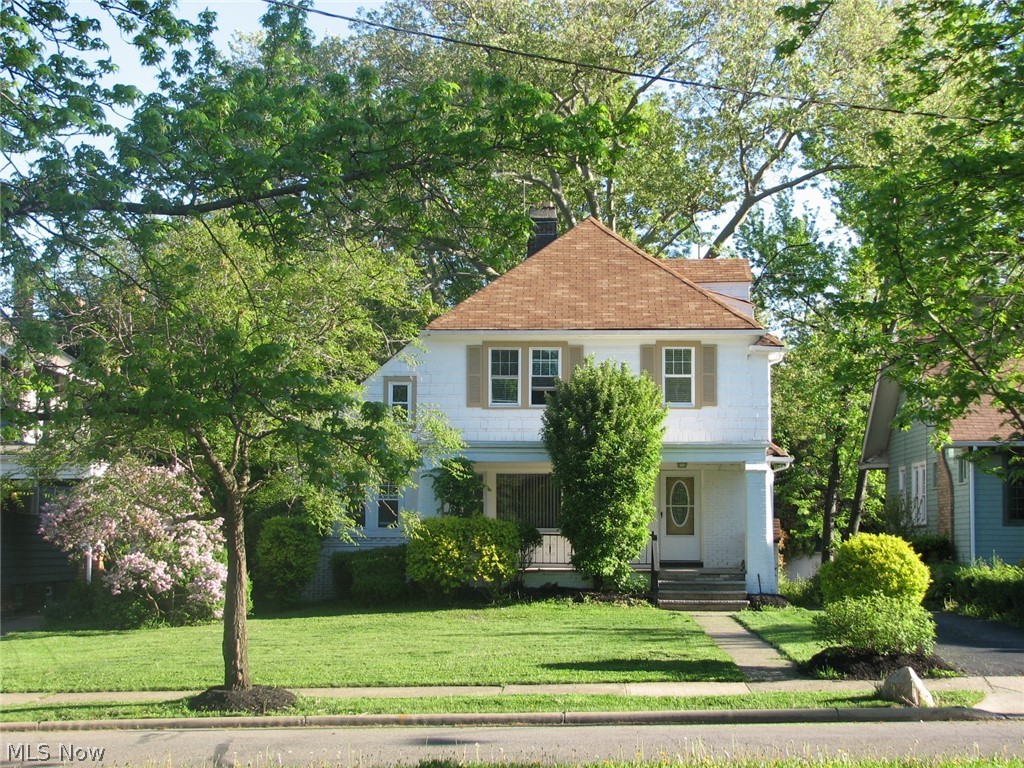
x: 869, y: 564
x: 287, y: 555
x: 371, y: 576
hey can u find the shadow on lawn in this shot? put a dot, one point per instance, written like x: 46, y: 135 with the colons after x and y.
x: 675, y: 670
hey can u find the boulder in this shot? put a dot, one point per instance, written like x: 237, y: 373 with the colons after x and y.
x: 904, y: 687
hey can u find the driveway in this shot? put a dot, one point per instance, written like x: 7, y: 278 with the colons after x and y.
x: 980, y: 647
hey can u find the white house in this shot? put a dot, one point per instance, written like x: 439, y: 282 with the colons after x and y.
x: 488, y: 362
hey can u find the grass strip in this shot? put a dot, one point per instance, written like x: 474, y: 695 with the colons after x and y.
x: 790, y: 630
x: 512, y: 703
x: 528, y: 643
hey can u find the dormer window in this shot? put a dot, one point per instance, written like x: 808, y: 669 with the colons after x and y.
x: 400, y: 394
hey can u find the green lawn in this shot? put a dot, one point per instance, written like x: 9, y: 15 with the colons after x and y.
x: 549, y: 642
x: 791, y: 630
x: 514, y: 703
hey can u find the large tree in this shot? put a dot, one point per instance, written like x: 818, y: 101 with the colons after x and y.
x: 715, y: 122
x: 940, y: 215
x: 242, y: 363
x: 820, y: 393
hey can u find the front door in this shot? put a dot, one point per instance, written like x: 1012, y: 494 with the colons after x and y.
x: 679, y: 513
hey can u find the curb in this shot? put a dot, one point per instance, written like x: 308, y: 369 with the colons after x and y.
x: 686, y: 717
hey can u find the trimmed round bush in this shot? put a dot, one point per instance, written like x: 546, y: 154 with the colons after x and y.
x: 287, y: 555
x: 876, y: 624
x: 447, y: 554
x: 371, y: 576
x: 874, y: 564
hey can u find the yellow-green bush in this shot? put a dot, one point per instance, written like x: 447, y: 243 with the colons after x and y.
x: 874, y: 564
x: 450, y: 553
x: 876, y: 624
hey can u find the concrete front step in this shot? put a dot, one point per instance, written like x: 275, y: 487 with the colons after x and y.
x: 703, y: 595
x: 702, y: 605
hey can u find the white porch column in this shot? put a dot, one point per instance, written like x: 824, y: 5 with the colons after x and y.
x: 760, y: 536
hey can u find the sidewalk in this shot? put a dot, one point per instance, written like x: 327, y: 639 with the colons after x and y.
x: 766, y: 671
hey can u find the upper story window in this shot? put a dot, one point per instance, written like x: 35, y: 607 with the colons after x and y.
x: 504, y: 376
x: 400, y: 394
x: 677, y: 373
x: 545, y: 369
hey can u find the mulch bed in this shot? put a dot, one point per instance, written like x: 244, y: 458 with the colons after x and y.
x: 851, y: 665
x: 258, y: 700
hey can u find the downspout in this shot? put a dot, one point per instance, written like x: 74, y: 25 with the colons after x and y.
x: 970, y: 505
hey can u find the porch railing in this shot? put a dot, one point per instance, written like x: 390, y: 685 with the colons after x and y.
x: 555, y: 551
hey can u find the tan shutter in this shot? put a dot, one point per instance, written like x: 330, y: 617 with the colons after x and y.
x: 648, y: 361
x: 474, y: 376
x: 709, y: 375
x: 575, y: 360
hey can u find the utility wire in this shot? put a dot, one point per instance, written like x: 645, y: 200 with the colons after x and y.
x: 616, y: 71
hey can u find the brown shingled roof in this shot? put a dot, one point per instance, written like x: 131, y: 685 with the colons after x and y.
x: 711, y: 270
x: 592, y: 279
x: 983, y: 423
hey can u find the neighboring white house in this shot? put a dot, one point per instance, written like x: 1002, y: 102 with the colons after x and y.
x: 487, y: 364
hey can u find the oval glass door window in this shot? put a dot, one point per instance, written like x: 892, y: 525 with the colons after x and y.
x: 679, y: 518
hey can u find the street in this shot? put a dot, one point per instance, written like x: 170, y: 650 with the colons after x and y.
x: 565, y: 744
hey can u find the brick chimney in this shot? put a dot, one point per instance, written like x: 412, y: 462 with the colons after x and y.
x: 545, y: 227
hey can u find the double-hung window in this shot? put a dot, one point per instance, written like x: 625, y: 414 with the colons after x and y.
x: 388, y: 506
x: 919, y: 493
x: 504, y: 376
x: 677, y: 375
x: 400, y: 397
x: 545, y: 368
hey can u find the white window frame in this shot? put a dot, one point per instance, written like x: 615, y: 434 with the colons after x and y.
x: 389, y: 496
x: 558, y: 373
x: 395, y: 403
x: 691, y: 376
x: 492, y: 377
x: 919, y: 492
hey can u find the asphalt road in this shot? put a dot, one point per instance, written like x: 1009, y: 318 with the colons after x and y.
x: 546, y: 745
x: 980, y: 647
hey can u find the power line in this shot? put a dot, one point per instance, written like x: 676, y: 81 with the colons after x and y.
x: 616, y: 71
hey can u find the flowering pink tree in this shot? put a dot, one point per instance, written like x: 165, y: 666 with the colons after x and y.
x: 153, y: 529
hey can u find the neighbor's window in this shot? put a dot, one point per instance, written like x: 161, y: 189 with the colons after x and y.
x: 400, y: 397
x: 388, y: 506
x: 677, y: 372
x: 919, y: 493
x: 545, y: 368
x: 504, y: 376
x: 961, y: 469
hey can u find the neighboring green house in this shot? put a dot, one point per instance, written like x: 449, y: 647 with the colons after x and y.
x: 951, y: 492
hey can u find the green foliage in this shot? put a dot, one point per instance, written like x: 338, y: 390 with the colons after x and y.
x: 458, y: 487
x: 371, y: 576
x: 603, y: 429
x: 530, y: 538
x: 989, y: 590
x: 803, y: 593
x: 876, y: 624
x: 933, y: 548
x: 874, y: 564
x: 91, y: 606
x: 448, y: 554
x: 287, y: 555
x: 939, y: 214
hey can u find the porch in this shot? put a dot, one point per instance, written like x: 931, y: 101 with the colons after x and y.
x: 674, y: 586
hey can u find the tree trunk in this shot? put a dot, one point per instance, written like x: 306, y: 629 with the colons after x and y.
x: 236, y: 632
x: 831, y: 499
x: 857, y: 513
